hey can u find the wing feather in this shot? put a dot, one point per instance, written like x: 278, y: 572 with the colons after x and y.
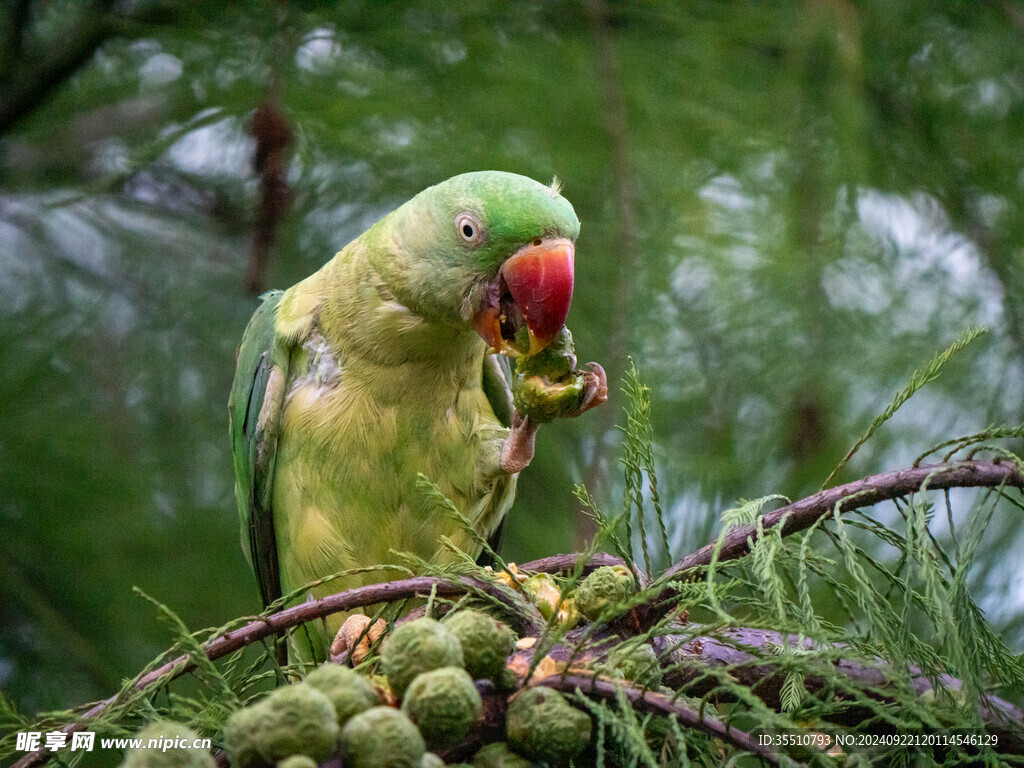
x: 497, y: 378
x: 497, y: 384
x: 254, y: 408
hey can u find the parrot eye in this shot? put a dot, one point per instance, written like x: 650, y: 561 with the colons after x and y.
x: 468, y: 228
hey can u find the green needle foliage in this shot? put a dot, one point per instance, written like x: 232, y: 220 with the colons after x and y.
x: 918, y: 380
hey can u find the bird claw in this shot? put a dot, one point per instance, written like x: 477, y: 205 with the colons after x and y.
x: 356, y: 636
x: 596, y: 388
x: 517, y: 451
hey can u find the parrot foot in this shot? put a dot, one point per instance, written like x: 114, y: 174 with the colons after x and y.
x: 517, y: 452
x: 356, y: 636
x: 596, y: 388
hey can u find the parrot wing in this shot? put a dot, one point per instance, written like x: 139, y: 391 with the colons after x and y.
x: 497, y: 385
x: 257, y: 396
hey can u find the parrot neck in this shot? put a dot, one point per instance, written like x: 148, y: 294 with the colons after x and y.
x: 361, y: 317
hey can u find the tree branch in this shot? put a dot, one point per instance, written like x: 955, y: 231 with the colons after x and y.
x: 650, y: 701
x: 862, y: 493
x: 491, y: 725
x: 273, y: 134
x: 566, y: 563
x: 691, y: 658
x: 276, y: 623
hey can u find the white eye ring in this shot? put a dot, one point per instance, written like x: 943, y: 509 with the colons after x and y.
x: 468, y: 228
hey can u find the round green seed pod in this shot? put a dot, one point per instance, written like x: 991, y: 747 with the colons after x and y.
x: 297, y: 761
x: 544, y: 592
x: 498, y: 755
x: 553, y: 362
x: 606, y: 586
x: 444, y: 704
x: 486, y: 643
x: 430, y: 760
x: 164, y: 754
x: 381, y: 737
x: 349, y: 692
x: 638, y: 664
x: 542, y: 726
x: 545, y: 385
x: 293, y: 720
x: 415, y: 647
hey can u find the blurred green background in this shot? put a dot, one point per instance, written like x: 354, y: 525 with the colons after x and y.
x: 787, y: 208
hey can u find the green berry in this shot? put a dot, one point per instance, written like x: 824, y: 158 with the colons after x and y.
x: 486, y: 643
x: 637, y: 663
x: 349, y: 692
x: 544, y: 592
x: 544, y: 727
x: 444, y: 705
x: 430, y: 760
x: 498, y: 755
x: 546, y: 385
x: 381, y: 737
x: 415, y: 647
x: 607, y: 586
x: 168, y: 732
x: 553, y: 362
x: 293, y: 720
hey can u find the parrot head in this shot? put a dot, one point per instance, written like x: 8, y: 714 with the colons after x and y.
x: 490, y: 250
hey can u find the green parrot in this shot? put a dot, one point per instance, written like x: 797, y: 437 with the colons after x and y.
x: 391, y: 361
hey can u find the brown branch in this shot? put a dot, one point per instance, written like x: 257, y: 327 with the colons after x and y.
x: 861, y: 493
x: 732, y: 650
x: 276, y: 623
x: 735, y: 652
x: 491, y: 725
x: 650, y: 701
x: 566, y: 563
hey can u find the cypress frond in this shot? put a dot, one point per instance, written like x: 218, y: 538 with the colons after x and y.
x: 919, y: 378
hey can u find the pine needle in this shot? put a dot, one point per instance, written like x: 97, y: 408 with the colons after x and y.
x: 917, y: 380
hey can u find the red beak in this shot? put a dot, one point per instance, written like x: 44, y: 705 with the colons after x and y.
x: 528, y: 303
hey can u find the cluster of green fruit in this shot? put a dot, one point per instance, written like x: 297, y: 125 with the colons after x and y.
x: 430, y: 668
x: 596, y: 598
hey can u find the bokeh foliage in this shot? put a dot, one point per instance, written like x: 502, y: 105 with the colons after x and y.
x: 786, y: 207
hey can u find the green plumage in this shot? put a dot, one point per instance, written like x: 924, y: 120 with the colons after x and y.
x: 369, y: 372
